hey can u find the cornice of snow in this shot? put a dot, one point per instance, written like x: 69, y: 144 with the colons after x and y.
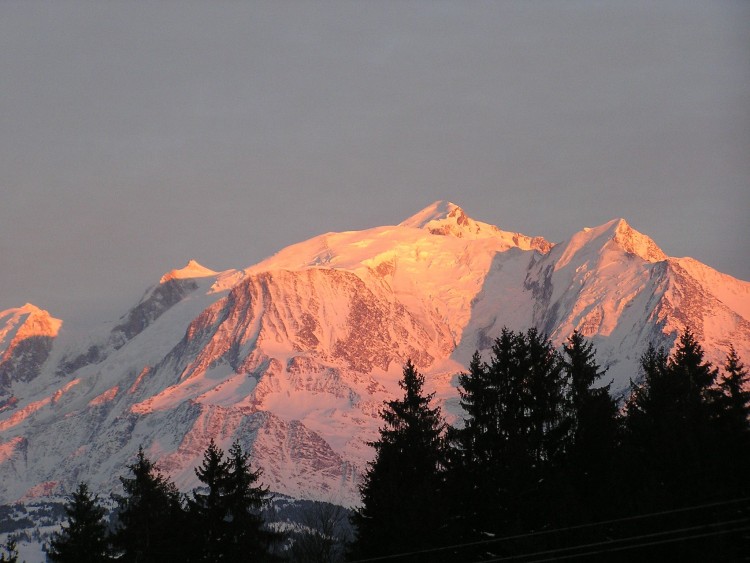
x: 192, y: 270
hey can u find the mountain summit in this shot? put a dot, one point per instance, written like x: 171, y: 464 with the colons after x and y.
x: 295, y: 355
x: 446, y: 218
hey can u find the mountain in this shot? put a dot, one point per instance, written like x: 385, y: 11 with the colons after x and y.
x: 295, y: 355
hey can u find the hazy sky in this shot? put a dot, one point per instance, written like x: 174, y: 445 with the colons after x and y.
x: 137, y: 135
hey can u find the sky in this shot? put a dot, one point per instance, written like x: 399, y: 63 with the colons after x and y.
x: 135, y: 136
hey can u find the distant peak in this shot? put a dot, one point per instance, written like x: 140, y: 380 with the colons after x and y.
x: 28, y: 320
x: 192, y: 270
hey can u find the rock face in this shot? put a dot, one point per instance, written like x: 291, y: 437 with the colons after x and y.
x: 294, y: 356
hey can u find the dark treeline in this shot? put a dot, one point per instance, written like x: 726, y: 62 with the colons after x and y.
x: 154, y: 522
x: 547, y: 467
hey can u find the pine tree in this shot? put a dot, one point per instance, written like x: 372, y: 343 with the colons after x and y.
x: 732, y: 403
x: 226, y: 514
x: 400, y: 501
x: 151, y: 517
x: 676, y: 452
x: 245, y: 497
x: 513, y: 436
x: 208, y: 511
x: 84, y: 538
x: 671, y: 425
x: 593, y: 428
x: 734, y: 398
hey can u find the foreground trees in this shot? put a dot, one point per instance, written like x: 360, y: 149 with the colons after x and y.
x: 155, y: 522
x: 546, y: 464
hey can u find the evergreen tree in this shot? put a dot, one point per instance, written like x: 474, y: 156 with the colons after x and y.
x: 676, y: 452
x: 513, y: 436
x: 593, y: 426
x: 84, y: 538
x: 732, y: 402
x: 400, y: 501
x: 734, y: 397
x: 151, y: 517
x: 226, y: 515
x: 208, y: 511
x: 669, y: 426
x: 245, y: 498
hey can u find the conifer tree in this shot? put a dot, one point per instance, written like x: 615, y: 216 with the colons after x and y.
x: 400, y: 505
x: 513, y: 434
x: 676, y: 452
x: 151, y: 517
x: 83, y: 538
x: 593, y: 427
x: 672, y: 427
x: 734, y: 398
x: 208, y: 511
x: 732, y: 402
x: 247, y: 537
x: 226, y: 515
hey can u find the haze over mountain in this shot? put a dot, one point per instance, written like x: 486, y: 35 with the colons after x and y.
x: 295, y: 355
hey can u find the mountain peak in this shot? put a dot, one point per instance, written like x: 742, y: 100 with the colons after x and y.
x: 446, y: 218
x: 192, y: 270
x: 438, y: 211
x: 635, y: 242
x: 25, y: 321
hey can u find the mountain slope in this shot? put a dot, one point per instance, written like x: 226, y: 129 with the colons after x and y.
x: 295, y: 355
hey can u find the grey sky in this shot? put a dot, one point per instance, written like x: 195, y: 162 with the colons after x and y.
x: 137, y: 135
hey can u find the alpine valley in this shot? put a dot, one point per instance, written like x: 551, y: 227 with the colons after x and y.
x: 294, y: 356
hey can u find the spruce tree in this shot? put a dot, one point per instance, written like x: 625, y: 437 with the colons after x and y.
x: 245, y: 497
x: 151, y: 518
x: 83, y: 538
x: 734, y: 397
x: 593, y: 429
x: 401, y: 508
x: 512, y: 441
x: 676, y: 452
x: 208, y: 511
x: 226, y: 513
x: 732, y: 403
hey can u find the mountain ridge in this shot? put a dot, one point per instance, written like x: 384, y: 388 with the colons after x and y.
x: 294, y: 356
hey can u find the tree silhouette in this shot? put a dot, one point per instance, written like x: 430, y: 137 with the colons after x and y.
x: 151, y: 517
x: 400, y: 504
x: 226, y: 514
x: 84, y: 538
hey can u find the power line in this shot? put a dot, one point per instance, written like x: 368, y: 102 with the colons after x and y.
x: 552, y: 531
x: 645, y: 544
x: 743, y: 521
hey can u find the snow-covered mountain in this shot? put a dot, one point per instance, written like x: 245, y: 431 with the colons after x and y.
x: 294, y: 356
